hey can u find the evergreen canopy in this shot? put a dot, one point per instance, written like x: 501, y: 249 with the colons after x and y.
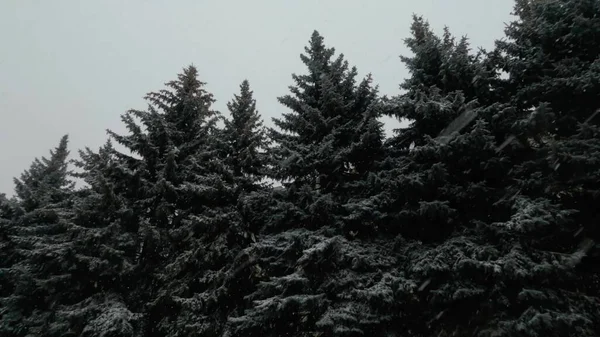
x: 477, y: 219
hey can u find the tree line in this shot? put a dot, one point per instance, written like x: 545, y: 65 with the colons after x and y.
x: 478, y: 218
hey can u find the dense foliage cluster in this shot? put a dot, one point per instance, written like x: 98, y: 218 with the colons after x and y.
x: 478, y: 218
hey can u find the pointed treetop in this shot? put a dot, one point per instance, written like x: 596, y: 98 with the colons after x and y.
x: 317, y: 54
x: 59, y: 155
x: 243, y: 107
x: 328, y: 110
x: 444, y: 62
x: 558, y: 39
x: 46, y: 181
x: 187, y: 89
x: 245, y: 89
x: 317, y: 43
x: 189, y: 80
x: 177, y: 115
x: 245, y: 138
x: 421, y: 32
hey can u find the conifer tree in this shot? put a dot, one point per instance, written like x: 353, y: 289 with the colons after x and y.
x: 322, y: 143
x: 245, y: 139
x: 514, y: 236
x: 177, y: 168
x: 439, y: 65
x: 103, y: 251
x: 46, y: 181
x: 553, y: 81
x: 41, y: 236
x: 442, y: 169
x: 106, y: 244
x: 485, y: 226
x: 443, y: 62
x: 551, y: 57
x: 183, y: 196
x: 553, y: 84
x: 101, y: 199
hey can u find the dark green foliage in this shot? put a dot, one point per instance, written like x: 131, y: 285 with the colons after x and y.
x: 184, y: 200
x: 244, y: 143
x: 443, y: 172
x: 439, y: 66
x: 552, y: 62
x: 437, y: 189
x: 245, y: 140
x: 39, y: 252
x: 551, y: 56
x: 501, y: 203
x: 312, y: 284
x: 331, y: 137
x: 45, y: 182
x: 478, y: 219
x: 444, y: 63
x: 177, y: 171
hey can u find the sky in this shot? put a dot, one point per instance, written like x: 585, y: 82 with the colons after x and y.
x: 73, y: 67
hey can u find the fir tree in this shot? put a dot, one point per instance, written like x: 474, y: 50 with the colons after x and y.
x: 439, y: 65
x: 551, y: 56
x: 41, y: 237
x: 245, y: 139
x: 512, y: 235
x: 321, y: 144
x: 485, y: 226
x: 552, y: 63
x: 46, y: 181
x: 444, y: 63
x: 552, y: 66
x: 100, y: 200
x: 104, y: 252
x: 183, y: 196
x: 174, y: 166
x: 442, y: 171
x: 106, y: 244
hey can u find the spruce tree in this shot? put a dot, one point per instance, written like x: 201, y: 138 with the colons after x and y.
x: 41, y: 235
x: 106, y: 244
x: 245, y: 139
x: 552, y: 85
x: 442, y: 171
x: 183, y: 196
x: 552, y: 63
x: 173, y: 166
x: 484, y: 226
x: 444, y: 62
x: 104, y: 248
x: 100, y: 200
x: 439, y: 65
x: 551, y: 56
x: 320, y: 145
x: 509, y: 262
x: 46, y: 181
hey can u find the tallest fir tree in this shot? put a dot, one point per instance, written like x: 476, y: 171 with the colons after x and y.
x: 331, y: 136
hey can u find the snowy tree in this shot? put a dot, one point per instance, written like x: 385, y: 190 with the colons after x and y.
x: 444, y: 63
x: 46, y: 181
x: 482, y: 215
x: 439, y: 65
x: 183, y: 195
x: 330, y: 137
x: 551, y: 56
x: 552, y: 84
x: 174, y: 167
x: 245, y: 139
x: 478, y: 219
x: 40, y: 246
x: 442, y: 170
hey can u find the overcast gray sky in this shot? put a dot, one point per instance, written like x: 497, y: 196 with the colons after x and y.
x: 75, y: 66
